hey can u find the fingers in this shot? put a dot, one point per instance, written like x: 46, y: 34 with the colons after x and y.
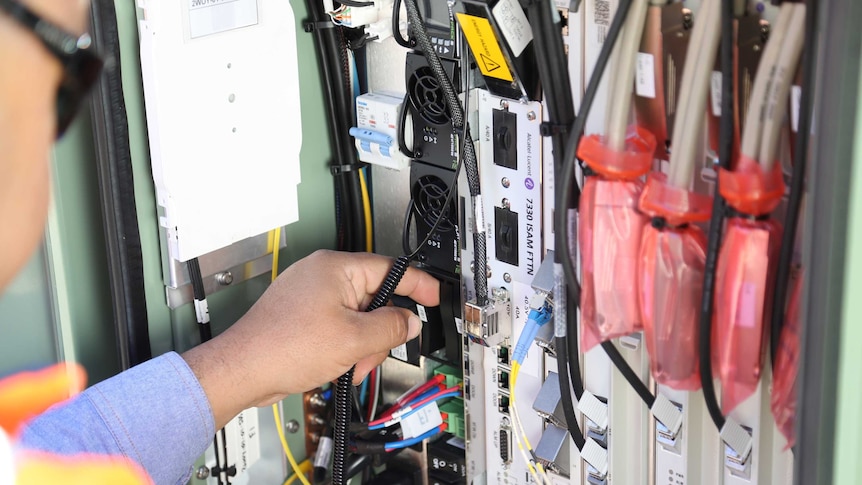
x: 364, y: 366
x: 385, y: 328
x: 367, y: 272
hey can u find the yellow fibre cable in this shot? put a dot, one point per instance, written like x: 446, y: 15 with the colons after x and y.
x: 275, y: 238
x: 275, y: 245
x: 278, y: 427
x: 521, y: 439
x: 366, y: 206
x: 305, y: 466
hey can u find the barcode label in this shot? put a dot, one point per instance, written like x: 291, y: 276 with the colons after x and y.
x: 715, y: 88
x: 602, y: 18
x: 645, y: 75
x: 399, y: 352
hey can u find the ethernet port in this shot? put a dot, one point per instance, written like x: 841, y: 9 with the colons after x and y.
x: 503, y: 355
x: 503, y: 379
x: 503, y: 403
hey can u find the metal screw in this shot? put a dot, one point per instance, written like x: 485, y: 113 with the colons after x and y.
x: 224, y: 278
x: 756, y: 48
x: 231, y: 98
x: 504, y: 104
x: 489, y: 272
x: 315, y: 437
x: 506, y: 203
x: 500, y: 293
x: 315, y: 419
x: 202, y: 473
x: 292, y: 426
x: 531, y: 116
x: 505, y: 182
x: 507, y: 277
x: 472, y: 267
x: 317, y: 400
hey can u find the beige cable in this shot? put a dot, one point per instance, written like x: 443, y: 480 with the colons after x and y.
x: 750, y: 145
x: 620, y: 93
x: 779, y: 87
x: 699, y: 64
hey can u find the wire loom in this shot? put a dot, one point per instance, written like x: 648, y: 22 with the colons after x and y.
x: 342, y: 389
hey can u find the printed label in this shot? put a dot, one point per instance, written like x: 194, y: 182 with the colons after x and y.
x: 513, y: 24
x: 207, y: 17
x: 715, y: 88
x: 483, y: 43
x: 645, y: 75
x: 422, y: 421
x: 795, y: 97
x: 422, y: 314
x: 399, y: 352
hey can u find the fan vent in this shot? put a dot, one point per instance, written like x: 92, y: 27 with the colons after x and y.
x: 429, y: 195
x: 427, y: 97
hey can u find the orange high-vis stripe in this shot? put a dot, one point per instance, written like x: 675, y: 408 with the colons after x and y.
x: 43, y: 469
x: 27, y: 394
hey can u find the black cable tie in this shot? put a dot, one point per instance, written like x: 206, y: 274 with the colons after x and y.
x: 550, y: 129
x: 588, y: 171
x: 342, y: 169
x: 310, y: 27
x: 659, y: 222
x: 731, y: 212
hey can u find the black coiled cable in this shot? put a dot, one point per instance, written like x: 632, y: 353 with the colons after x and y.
x: 342, y: 388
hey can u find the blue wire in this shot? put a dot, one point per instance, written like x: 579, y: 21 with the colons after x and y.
x: 363, y: 390
x: 326, y: 394
x: 444, y: 396
x: 412, y: 441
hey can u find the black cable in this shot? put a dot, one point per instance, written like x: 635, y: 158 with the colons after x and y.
x: 563, y: 359
x: 459, y: 124
x: 405, y: 228
x: 797, y: 183
x: 203, y: 319
x: 117, y: 193
x: 396, y: 26
x: 345, y: 382
x: 725, y: 153
x: 355, y: 3
x: 554, y: 76
x: 402, y: 125
x: 331, y: 50
x: 566, y: 199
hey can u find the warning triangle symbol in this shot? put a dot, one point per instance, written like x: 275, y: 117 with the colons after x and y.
x: 490, y: 64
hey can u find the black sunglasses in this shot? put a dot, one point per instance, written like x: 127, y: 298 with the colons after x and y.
x: 81, y: 66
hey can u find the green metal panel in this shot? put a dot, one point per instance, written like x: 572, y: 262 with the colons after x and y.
x: 26, y: 320
x: 848, y: 436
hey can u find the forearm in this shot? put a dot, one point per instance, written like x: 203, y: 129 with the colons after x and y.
x: 156, y: 414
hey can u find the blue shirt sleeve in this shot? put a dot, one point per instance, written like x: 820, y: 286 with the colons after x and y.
x: 155, y: 414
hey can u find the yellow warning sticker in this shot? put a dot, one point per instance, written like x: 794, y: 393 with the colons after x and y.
x: 485, y: 47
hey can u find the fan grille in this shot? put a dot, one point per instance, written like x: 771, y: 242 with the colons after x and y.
x: 427, y: 97
x: 429, y: 195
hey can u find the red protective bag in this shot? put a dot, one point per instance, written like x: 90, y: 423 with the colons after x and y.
x: 671, y: 268
x: 610, y: 231
x: 746, y: 267
x: 784, y: 389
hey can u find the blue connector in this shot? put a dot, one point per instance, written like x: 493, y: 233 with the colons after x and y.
x: 541, y: 312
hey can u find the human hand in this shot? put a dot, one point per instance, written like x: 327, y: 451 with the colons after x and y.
x: 308, y: 329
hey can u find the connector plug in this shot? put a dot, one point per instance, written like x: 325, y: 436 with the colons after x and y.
x: 489, y: 325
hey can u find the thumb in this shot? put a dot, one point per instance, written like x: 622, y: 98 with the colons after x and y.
x: 388, y: 327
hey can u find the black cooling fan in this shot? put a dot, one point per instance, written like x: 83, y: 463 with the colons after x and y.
x: 433, y: 139
x: 429, y: 186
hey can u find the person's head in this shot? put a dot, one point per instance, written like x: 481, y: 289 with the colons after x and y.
x: 30, y: 75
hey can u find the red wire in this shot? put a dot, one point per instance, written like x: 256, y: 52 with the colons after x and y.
x: 419, y: 404
x: 416, y: 392
x: 372, y: 391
